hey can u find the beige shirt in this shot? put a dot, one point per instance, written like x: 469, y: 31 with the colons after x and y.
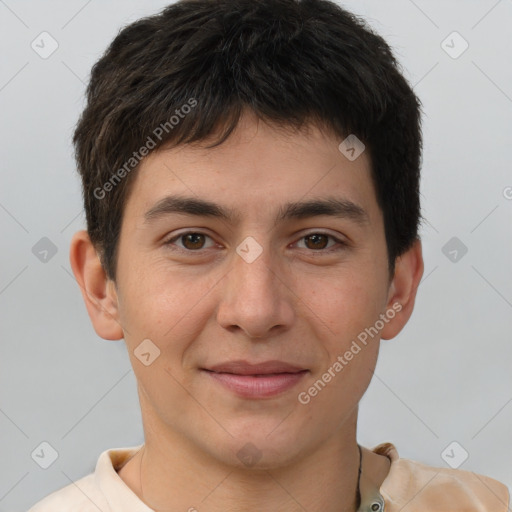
x: 408, y: 487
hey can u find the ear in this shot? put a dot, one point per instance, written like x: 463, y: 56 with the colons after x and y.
x: 402, y: 290
x: 98, y: 291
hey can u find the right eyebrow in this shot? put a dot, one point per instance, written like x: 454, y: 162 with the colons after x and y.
x: 189, y: 206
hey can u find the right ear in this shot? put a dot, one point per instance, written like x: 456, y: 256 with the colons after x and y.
x: 98, y: 291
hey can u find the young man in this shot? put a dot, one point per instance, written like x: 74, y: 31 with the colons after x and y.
x: 251, y: 183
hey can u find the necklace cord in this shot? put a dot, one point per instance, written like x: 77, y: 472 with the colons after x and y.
x: 358, y: 499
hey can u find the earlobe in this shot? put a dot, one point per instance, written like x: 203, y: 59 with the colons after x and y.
x: 97, y: 290
x: 403, y: 288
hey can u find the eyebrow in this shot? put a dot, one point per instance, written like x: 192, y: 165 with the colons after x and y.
x: 330, y: 206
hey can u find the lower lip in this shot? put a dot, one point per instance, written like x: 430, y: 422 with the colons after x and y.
x: 251, y: 386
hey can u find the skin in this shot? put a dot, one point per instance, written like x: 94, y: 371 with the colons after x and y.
x: 295, y: 303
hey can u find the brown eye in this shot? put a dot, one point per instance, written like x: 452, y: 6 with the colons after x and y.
x: 322, y: 243
x: 316, y: 241
x: 193, y: 240
x: 190, y: 241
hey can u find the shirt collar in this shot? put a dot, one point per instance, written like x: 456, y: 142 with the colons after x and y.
x: 116, y: 492
x: 370, y: 491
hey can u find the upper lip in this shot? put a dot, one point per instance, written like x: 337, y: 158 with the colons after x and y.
x: 241, y: 367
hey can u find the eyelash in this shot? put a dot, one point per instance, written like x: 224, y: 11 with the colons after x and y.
x: 341, y: 243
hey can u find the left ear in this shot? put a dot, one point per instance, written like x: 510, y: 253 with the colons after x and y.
x: 402, y: 290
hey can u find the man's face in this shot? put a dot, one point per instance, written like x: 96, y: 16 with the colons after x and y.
x: 299, y: 290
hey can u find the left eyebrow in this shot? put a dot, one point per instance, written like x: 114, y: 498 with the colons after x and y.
x: 331, y: 206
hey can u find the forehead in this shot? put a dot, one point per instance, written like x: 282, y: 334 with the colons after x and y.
x: 260, y: 169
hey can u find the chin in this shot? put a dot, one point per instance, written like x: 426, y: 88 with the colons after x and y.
x: 260, y: 448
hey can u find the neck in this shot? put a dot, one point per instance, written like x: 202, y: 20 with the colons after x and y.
x: 170, y: 474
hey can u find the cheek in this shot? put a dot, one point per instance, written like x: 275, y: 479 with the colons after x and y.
x: 163, y: 305
x: 168, y: 309
x: 343, y: 304
x: 342, y: 315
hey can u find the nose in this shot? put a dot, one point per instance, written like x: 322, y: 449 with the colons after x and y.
x: 256, y: 296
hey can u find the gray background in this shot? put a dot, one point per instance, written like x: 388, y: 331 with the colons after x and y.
x: 445, y: 378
